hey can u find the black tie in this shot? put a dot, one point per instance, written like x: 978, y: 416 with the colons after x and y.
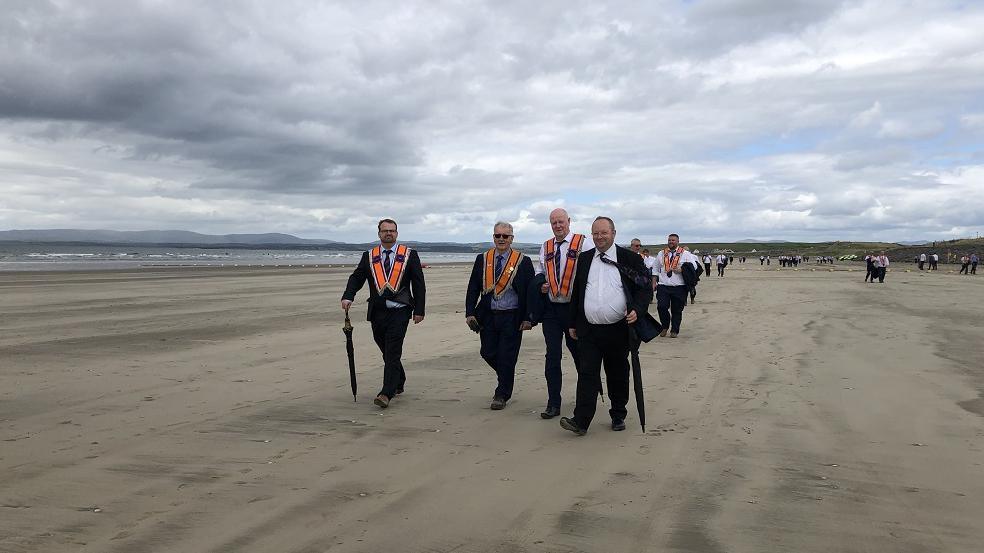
x: 557, y: 259
x: 386, y: 262
x: 498, y: 266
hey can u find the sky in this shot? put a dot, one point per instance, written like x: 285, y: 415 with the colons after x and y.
x: 797, y: 120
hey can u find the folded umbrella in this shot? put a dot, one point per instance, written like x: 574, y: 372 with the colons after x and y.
x: 350, y: 349
x: 637, y: 378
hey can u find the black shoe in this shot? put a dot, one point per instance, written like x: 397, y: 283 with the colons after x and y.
x: 569, y: 424
x: 550, y: 412
x: 618, y: 425
x: 498, y: 403
x: 399, y: 391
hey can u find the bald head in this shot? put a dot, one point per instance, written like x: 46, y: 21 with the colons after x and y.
x: 560, y: 223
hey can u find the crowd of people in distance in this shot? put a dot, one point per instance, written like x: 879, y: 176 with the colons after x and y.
x: 923, y: 259
x: 825, y: 260
x: 968, y: 264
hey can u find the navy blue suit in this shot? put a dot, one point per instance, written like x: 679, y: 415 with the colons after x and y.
x: 500, y: 335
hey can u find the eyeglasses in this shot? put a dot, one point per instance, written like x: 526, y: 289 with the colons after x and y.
x: 386, y: 231
x: 501, y: 236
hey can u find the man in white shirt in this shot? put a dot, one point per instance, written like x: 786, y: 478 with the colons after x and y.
x: 922, y: 261
x: 881, y: 267
x: 722, y: 262
x: 707, y: 264
x: 610, y: 291
x: 671, y: 292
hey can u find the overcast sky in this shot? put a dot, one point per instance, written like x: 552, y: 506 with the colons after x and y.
x: 793, y: 119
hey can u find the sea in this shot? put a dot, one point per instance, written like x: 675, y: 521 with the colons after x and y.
x: 25, y: 256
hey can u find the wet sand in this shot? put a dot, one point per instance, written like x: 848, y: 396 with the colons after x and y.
x: 210, y: 411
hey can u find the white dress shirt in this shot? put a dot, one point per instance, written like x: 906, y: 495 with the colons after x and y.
x: 677, y: 278
x: 650, y: 262
x: 881, y: 261
x: 562, y: 251
x: 604, y: 299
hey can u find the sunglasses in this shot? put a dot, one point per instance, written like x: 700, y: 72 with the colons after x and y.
x: 501, y: 236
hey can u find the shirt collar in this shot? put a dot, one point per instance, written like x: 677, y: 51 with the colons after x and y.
x: 609, y: 252
x: 383, y: 248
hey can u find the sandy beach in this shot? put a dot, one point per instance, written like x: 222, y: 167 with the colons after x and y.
x: 209, y: 410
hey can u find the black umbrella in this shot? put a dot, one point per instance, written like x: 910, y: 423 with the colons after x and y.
x: 350, y: 349
x: 637, y: 378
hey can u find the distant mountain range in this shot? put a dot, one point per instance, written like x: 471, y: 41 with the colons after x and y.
x: 151, y: 237
x: 184, y: 238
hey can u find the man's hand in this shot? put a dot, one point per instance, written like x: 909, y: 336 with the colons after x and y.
x: 471, y: 321
x: 631, y: 317
x: 417, y: 319
x: 525, y: 325
x: 544, y: 288
x: 572, y: 332
x: 346, y: 304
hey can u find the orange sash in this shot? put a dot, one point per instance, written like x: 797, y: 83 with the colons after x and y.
x: 395, y: 276
x: 560, y: 284
x: 667, y: 265
x: 498, y: 287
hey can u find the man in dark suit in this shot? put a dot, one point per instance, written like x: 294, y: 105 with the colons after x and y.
x: 496, y: 305
x: 396, y: 293
x: 611, y: 292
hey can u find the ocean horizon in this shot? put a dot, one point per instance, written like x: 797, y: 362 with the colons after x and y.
x: 54, y: 257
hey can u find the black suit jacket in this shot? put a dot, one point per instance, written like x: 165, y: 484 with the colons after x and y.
x: 637, y: 298
x: 412, y: 290
x: 479, y: 305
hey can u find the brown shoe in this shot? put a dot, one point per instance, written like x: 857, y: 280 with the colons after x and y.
x: 382, y: 401
x: 673, y: 335
x: 663, y: 334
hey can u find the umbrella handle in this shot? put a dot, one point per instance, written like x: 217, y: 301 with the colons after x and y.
x: 347, y: 327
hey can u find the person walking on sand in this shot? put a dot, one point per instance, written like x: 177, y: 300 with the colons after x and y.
x: 605, y: 301
x: 870, y: 271
x: 922, y: 261
x: 722, y: 262
x: 964, y: 265
x: 973, y: 263
x: 496, y: 307
x: 881, y: 267
x: 396, y: 294
x: 672, y: 290
x: 707, y: 264
x: 558, y: 266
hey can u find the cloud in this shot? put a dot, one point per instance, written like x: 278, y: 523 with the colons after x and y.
x: 797, y: 120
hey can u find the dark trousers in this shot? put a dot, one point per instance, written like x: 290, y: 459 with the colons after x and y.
x: 880, y: 273
x: 973, y: 268
x: 608, y: 344
x: 720, y: 270
x: 556, y: 321
x: 389, y: 327
x: 871, y: 273
x: 964, y: 268
x: 669, y: 305
x: 921, y: 264
x: 707, y: 269
x: 501, y: 340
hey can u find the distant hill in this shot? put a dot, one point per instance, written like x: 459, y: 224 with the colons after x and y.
x: 754, y: 241
x: 184, y: 238
x: 150, y: 237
